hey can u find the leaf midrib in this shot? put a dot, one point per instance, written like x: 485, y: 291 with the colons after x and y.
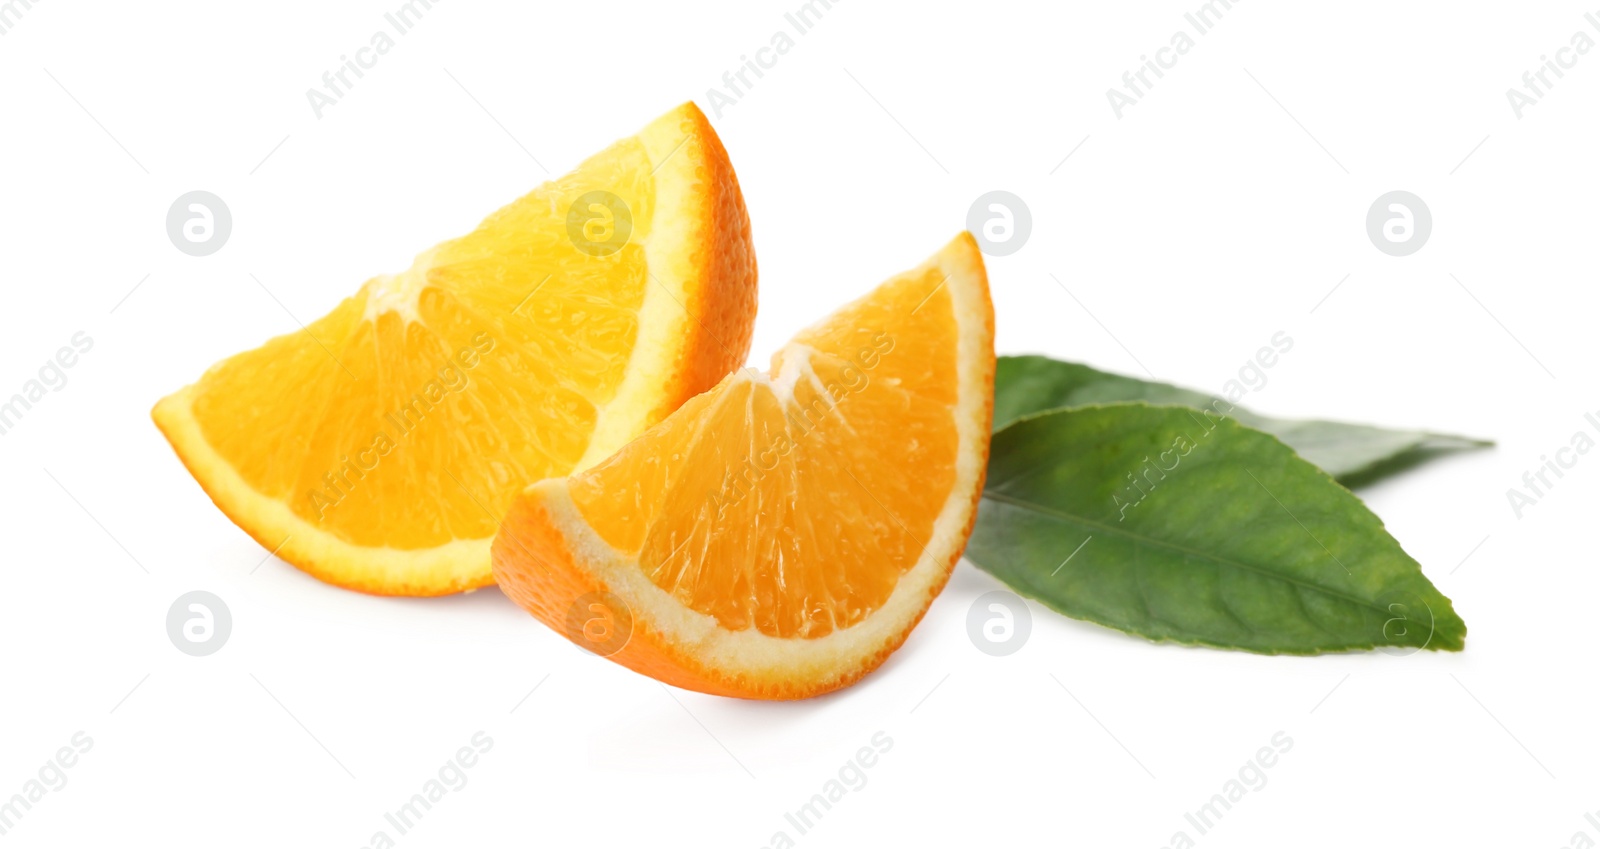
x: 1063, y: 516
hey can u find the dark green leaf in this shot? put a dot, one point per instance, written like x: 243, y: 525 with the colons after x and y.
x: 1162, y: 522
x: 1355, y: 454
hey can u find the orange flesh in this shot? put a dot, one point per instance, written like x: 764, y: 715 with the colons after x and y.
x: 437, y: 369
x: 793, y: 504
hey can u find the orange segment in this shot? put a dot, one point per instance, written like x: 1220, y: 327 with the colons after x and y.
x: 780, y: 535
x: 378, y: 448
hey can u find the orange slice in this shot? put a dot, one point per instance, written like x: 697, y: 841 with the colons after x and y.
x: 378, y: 448
x: 779, y: 536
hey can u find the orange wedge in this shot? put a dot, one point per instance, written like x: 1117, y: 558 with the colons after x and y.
x: 779, y: 536
x: 378, y: 448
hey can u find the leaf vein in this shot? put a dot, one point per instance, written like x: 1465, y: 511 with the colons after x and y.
x: 1068, y: 518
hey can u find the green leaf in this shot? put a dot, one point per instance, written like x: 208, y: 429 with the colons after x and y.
x: 1355, y: 454
x: 1162, y: 522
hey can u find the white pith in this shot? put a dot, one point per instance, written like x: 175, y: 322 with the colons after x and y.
x: 662, y: 320
x: 751, y: 655
x: 465, y: 563
x: 400, y: 293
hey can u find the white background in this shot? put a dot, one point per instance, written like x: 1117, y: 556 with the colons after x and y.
x: 1188, y: 232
